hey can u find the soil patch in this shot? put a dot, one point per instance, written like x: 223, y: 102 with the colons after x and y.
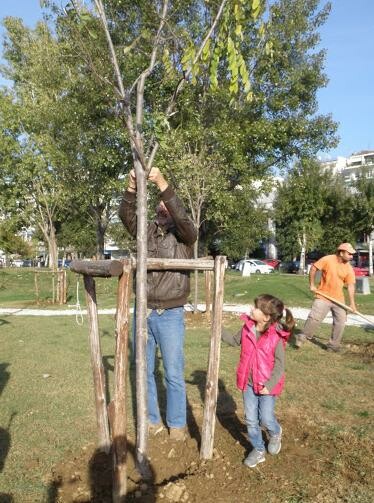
x: 313, y: 466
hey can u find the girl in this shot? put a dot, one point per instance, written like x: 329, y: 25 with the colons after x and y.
x: 260, y: 373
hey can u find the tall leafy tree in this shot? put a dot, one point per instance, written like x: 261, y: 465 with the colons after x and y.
x: 298, y: 209
x: 337, y: 220
x: 364, y: 212
x: 71, y: 127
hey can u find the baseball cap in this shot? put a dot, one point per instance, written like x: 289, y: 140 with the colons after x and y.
x: 346, y: 247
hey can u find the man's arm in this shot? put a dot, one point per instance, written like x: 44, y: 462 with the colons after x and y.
x: 127, y: 208
x: 184, y: 226
x: 312, y: 275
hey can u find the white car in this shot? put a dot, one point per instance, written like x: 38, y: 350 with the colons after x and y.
x: 17, y: 263
x: 255, y: 266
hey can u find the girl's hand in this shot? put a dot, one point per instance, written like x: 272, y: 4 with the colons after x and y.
x: 264, y: 391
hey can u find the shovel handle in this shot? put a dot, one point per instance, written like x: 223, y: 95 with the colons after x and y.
x: 344, y: 306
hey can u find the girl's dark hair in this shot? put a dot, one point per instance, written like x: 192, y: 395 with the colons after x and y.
x: 274, y: 307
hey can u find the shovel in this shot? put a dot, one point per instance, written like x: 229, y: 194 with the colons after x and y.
x: 344, y: 306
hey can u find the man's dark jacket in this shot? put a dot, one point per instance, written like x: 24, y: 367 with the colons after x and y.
x: 165, y: 289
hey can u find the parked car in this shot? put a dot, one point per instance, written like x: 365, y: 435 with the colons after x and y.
x: 273, y: 262
x: 64, y: 263
x: 255, y: 266
x: 16, y: 263
x: 293, y: 266
x: 361, y: 271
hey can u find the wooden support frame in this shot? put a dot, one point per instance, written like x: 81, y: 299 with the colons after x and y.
x: 211, y: 387
x: 119, y: 411
x: 97, y: 366
x: 117, y: 415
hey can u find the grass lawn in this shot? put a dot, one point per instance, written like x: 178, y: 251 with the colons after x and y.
x: 17, y: 289
x: 47, y: 412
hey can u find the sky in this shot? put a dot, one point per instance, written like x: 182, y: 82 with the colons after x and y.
x: 349, y: 95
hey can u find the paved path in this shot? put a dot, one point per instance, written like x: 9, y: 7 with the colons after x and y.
x: 299, y: 313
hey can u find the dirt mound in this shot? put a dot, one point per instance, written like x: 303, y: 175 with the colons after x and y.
x: 365, y: 351
x: 313, y: 466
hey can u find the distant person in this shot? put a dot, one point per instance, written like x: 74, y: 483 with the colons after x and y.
x: 171, y: 235
x: 336, y: 272
x: 260, y: 373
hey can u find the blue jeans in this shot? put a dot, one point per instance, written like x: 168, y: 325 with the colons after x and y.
x: 259, y: 411
x: 166, y: 331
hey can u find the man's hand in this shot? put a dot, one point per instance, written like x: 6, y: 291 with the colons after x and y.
x: 313, y: 288
x: 264, y: 391
x: 353, y: 307
x: 132, y: 181
x: 156, y: 177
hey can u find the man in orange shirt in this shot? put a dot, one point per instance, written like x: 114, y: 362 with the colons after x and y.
x: 336, y: 272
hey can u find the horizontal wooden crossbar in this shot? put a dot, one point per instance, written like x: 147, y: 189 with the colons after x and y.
x: 110, y: 268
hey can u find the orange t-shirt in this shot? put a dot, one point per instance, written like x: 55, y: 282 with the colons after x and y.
x: 335, y: 275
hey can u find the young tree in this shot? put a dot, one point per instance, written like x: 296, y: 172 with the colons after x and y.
x: 176, y: 40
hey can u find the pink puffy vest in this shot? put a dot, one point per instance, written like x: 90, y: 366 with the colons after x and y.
x: 258, y: 356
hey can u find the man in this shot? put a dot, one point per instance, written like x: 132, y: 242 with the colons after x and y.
x: 170, y: 236
x: 336, y: 272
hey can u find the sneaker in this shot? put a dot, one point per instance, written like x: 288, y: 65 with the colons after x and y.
x: 177, y: 434
x: 155, y: 428
x: 254, y: 458
x: 275, y: 443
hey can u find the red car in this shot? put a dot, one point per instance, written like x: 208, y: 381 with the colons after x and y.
x: 361, y: 271
x: 273, y: 262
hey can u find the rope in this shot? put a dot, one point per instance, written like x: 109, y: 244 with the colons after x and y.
x: 78, y: 315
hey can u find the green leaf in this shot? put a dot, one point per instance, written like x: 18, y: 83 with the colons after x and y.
x: 206, y: 51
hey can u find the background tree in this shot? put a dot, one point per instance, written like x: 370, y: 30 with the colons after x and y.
x: 298, y: 208
x: 337, y: 221
x: 364, y: 212
x: 12, y: 243
x: 68, y: 120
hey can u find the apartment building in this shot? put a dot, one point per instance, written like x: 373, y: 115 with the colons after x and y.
x: 352, y: 167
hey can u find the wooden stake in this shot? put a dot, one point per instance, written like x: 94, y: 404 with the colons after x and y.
x: 208, y: 294
x: 119, y: 413
x: 97, y: 366
x: 211, y: 387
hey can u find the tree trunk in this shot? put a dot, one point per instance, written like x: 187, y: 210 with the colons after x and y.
x: 370, y: 247
x: 196, y: 276
x: 49, y: 232
x: 141, y: 322
x: 52, y: 248
x: 302, y: 254
x: 100, y: 234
